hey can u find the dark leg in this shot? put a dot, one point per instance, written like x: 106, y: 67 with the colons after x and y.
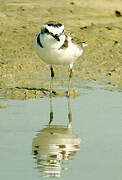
x: 69, y: 112
x: 70, y: 76
x: 52, y: 72
x: 51, y: 79
x: 70, y: 73
x: 68, y: 97
x: 51, y: 87
x: 51, y: 111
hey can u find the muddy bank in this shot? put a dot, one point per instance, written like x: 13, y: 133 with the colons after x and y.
x: 97, y: 23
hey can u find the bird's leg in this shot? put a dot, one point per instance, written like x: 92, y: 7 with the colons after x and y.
x: 68, y: 96
x: 51, y: 79
x: 70, y: 76
x: 69, y: 112
x: 51, y: 111
x: 52, y: 72
x: 51, y: 87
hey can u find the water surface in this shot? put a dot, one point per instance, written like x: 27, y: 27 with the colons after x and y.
x: 91, y: 149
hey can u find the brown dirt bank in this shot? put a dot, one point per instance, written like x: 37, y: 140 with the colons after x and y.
x: 91, y: 21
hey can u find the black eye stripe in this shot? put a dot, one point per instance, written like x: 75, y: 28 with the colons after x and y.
x: 56, y: 36
x: 46, y: 31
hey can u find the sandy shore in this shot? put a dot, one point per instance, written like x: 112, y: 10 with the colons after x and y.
x: 95, y: 22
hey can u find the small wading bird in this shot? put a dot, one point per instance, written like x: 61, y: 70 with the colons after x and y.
x: 55, y: 47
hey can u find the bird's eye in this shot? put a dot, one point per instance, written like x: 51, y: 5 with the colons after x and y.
x: 46, y: 31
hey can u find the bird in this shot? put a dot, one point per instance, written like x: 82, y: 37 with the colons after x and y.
x: 56, y: 47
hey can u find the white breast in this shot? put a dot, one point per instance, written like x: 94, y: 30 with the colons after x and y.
x: 52, y: 54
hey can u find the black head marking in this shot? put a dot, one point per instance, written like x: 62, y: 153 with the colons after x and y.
x: 54, y: 24
x: 38, y: 41
x: 50, y: 26
x: 45, y: 30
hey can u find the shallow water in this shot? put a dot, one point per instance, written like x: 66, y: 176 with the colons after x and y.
x: 91, y: 149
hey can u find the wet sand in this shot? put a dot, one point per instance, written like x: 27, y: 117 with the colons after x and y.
x: 97, y: 23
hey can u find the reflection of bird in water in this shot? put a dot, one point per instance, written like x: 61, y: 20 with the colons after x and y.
x: 52, y: 145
